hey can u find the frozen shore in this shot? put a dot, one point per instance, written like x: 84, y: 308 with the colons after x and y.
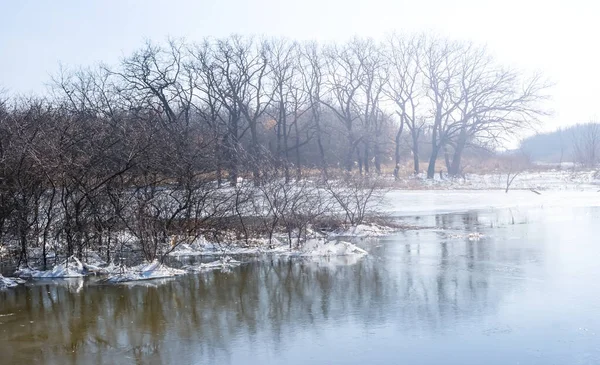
x: 320, y: 245
x: 552, y: 179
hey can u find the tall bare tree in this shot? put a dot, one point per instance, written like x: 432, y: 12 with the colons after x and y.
x: 405, y: 89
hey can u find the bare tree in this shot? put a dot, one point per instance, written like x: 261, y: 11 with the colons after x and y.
x: 375, y: 77
x: 494, y: 103
x: 290, y: 103
x: 405, y: 89
x: 344, y: 78
x: 312, y: 77
x: 355, y: 197
x: 441, y: 68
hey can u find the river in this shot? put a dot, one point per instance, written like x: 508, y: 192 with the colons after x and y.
x: 527, y: 292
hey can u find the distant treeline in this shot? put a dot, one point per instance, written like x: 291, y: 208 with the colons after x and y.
x: 579, y: 144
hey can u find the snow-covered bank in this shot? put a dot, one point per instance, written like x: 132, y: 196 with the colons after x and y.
x: 325, y: 248
x: 224, y: 263
x: 70, y: 268
x: 364, y: 230
x: 203, y: 247
x: 318, y: 245
x: 146, y: 271
x: 327, y: 243
x: 9, y: 282
x: 406, y: 203
x: 537, y: 180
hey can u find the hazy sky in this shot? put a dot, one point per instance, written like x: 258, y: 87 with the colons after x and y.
x: 559, y: 38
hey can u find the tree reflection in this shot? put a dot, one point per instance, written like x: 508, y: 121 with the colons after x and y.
x: 423, y: 283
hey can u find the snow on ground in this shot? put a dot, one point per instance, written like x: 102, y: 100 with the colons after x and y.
x: 9, y: 282
x: 224, y: 263
x: 38, y: 252
x: 537, y: 180
x: 70, y: 268
x: 324, y: 248
x: 312, y: 247
x: 202, y: 247
x: 146, y: 271
x: 3, y: 251
x: 405, y: 203
x: 110, y: 269
x: 279, y: 245
x: 364, y: 230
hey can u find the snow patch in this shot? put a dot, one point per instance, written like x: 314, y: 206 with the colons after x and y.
x: 203, y: 247
x: 364, y: 230
x: 539, y: 180
x: 146, y: 271
x: 317, y: 247
x: 4, y: 251
x: 224, y: 263
x: 9, y: 282
x: 70, y: 268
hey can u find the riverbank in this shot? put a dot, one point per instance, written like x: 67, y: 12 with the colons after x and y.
x: 539, y: 180
x: 477, y: 192
x: 319, y: 244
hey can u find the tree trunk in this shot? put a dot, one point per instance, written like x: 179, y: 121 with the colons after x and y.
x: 454, y: 169
x: 435, y: 150
x: 233, y: 152
x: 446, y: 159
x: 349, y: 159
x: 359, y: 159
x: 397, y: 153
x: 218, y: 161
x: 316, y: 117
x: 255, y: 154
x: 298, y: 167
x: 286, y: 153
x: 415, y: 151
x: 366, y: 157
x: 377, y: 159
x: 398, y: 137
x: 432, y: 159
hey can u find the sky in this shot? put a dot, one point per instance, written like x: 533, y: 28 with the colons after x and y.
x: 560, y: 39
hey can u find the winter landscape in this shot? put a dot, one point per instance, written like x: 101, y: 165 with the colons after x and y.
x: 263, y: 198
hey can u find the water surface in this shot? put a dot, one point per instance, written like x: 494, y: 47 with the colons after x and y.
x: 526, y: 293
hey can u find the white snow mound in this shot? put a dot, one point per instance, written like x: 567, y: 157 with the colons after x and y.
x: 224, y: 263
x: 364, y: 230
x: 203, y: 247
x: 146, y: 271
x: 70, y: 268
x: 316, y: 247
x: 9, y: 282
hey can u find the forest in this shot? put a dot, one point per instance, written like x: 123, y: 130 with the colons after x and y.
x: 242, y: 136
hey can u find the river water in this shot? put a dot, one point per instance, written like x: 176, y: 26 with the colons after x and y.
x: 528, y: 292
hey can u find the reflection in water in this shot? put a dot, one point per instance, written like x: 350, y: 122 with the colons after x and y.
x: 206, y: 312
x: 422, y: 284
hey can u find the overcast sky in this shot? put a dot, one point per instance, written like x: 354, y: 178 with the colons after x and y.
x: 559, y: 38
